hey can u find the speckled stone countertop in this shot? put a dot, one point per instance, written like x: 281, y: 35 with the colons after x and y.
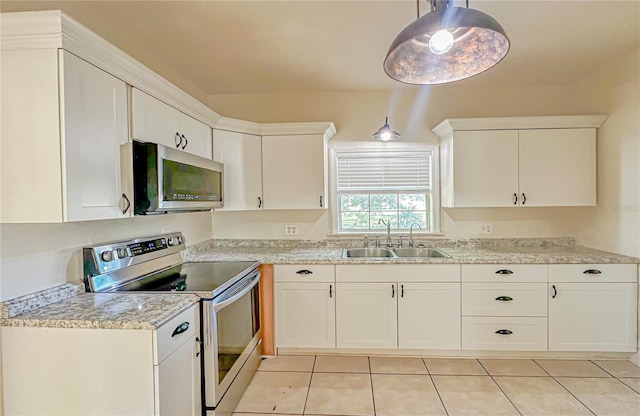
x: 107, y: 311
x: 491, y: 251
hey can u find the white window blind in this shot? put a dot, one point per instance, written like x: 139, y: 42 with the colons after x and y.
x: 392, y: 171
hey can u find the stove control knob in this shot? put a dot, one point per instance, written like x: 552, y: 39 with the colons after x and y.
x: 174, y: 241
x: 122, y: 253
x: 106, y: 256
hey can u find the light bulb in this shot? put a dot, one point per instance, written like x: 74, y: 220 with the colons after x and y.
x: 441, y: 42
x: 385, y: 136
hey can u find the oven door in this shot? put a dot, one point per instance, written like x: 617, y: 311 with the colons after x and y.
x: 233, y: 321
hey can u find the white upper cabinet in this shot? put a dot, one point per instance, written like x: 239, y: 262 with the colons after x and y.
x: 519, y: 162
x: 156, y: 122
x: 63, y: 121
x: 557, y: 167
x: 294, y: 172
x: 241, y: 155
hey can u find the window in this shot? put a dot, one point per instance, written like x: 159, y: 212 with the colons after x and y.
x: 397, y: 186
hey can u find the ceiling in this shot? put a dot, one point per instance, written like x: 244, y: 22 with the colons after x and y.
x: 241, y: 47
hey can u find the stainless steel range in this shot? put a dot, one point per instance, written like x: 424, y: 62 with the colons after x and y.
x: 229, y: 305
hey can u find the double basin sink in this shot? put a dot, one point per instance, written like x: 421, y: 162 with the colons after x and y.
x: 392, y: 252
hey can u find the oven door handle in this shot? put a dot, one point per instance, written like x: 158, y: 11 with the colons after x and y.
x: 236, y: 294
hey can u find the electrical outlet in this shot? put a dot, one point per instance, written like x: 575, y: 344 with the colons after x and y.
x: 290, y: 229
x: 487, y: 228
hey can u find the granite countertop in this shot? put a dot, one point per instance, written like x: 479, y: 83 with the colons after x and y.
x: 106, y: 311
x: 458, y: 255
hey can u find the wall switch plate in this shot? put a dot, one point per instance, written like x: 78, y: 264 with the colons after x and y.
x: 290, y: 229
x: 486, y: 228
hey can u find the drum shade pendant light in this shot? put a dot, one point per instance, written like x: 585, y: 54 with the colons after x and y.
x: 385, y: 133
x: 445, y: 45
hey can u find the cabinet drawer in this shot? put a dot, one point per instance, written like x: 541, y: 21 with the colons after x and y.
x: 525, y: 334
x: 506, y: 299
x: 504, y: 273
x: 304, y: 273
x: 168, y: 337
x: 398, y: 273
x: 586, y: 273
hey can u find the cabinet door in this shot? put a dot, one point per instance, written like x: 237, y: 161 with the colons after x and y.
x: 558, y: 167
x: 593, y: 317
x: 178, y: 378
x: 294, y: 172
x: 241, y: 155
x: 196, y: 136
x: 152, y: 120
x: 429, y: 316
x: 485, y: 168
x: 156, y: 122
x: 305, y: 315
x: 94, y: 110
x: 366, y: 315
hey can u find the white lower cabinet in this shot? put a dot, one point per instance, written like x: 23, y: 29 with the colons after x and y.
x: 103, y: 371
x: 398, y: 306
x: 504, y: 333
x: 305, y: 315
x: 305, y: 306
x: 593, y: 307
x: 429, y: 316
x: 367, y: 315
x: 504, y: 307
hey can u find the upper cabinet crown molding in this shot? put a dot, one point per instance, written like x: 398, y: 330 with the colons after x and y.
x: 327, y: 129
x: 55, y: 29
x: 513, y: 123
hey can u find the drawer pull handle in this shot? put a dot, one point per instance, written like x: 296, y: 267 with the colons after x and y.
x: 592, y: 271
x: 504, y: 332
x: 304, y: 271
x: 555, y: 292
x: 180, y: 329
x: 504, y: 271
x: 504, y: 298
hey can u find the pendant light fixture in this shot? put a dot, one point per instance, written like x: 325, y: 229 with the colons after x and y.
x: 445, y: 45
x: 385, y: 133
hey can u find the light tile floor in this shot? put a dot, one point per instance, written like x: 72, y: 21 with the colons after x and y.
x: 412, y: 386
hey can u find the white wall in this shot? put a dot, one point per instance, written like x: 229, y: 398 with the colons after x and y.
x: 39, y: 256
x: 614, y: 224
x: 413, y: 112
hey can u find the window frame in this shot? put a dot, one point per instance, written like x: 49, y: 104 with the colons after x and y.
x: 387, y: 147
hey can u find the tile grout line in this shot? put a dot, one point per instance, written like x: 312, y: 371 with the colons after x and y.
x: 499, y: 387
x: 373, y: 396
x: 615, y: 377
x: 313, y: 367
x: 434, y: 386
x: 561, y: 385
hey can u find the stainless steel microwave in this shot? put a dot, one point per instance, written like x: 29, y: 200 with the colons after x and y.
x: 171, y: 180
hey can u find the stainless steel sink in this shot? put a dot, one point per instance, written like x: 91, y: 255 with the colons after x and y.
x: 367, y: 252
x: 419, y: 252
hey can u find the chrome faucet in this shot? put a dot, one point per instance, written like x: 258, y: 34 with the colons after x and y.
x: 388, y: 224
x: 411, y: 233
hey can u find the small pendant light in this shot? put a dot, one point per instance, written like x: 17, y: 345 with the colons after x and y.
x: 448, y: 44
x: 385, y: 133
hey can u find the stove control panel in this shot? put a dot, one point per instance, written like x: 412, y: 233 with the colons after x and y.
x: 109, y: 258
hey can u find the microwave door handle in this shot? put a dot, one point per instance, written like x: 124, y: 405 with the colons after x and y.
x: 228, y: 301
